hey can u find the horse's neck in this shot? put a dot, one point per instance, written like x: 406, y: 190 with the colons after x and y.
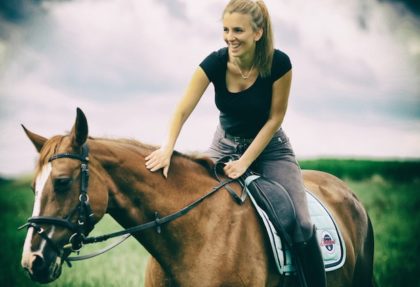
x: 138, y: 193
x: 193, y: 247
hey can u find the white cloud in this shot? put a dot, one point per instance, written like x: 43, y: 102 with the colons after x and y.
x: 126, y: 63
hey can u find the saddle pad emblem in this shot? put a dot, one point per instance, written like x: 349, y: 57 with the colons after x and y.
x: 327, y: 242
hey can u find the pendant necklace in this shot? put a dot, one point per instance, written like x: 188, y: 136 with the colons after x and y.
x: 245, y: 77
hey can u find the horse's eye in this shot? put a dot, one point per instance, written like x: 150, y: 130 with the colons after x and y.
x: 62, y: 184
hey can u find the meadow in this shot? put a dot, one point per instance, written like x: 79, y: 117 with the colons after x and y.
x: 390, y: 191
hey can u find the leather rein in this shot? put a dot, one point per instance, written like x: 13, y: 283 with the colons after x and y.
x: 85, y: 224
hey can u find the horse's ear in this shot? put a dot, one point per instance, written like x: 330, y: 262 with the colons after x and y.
x: 37, y: 140
x: 79, y: 132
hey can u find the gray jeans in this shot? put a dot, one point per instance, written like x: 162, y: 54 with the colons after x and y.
x: 276, y: 162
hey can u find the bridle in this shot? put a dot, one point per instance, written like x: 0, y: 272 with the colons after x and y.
x: 85, y: 224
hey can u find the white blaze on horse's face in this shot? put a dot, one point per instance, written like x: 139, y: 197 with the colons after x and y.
x: 40, y: 182
x: 29, y: 255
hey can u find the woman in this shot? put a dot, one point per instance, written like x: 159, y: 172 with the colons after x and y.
x: 252, y: 82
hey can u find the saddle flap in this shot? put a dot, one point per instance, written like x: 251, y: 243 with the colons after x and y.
x: 276, y: 202
x: 329, y: 236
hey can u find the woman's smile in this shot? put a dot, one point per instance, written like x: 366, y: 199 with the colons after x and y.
x: 234, y: 47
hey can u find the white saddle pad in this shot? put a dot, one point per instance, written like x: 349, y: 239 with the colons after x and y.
x: 329, y: 237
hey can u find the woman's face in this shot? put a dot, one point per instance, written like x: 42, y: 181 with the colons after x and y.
x: 239, y: 35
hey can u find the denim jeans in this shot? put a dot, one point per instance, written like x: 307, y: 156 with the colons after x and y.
x: 276, y: 162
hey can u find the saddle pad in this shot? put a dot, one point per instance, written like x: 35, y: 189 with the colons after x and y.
x: 329, y: 237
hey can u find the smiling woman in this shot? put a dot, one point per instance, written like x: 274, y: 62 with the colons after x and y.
x: 252, y: 83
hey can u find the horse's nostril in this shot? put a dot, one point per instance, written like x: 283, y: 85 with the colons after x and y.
x: 38, y: 263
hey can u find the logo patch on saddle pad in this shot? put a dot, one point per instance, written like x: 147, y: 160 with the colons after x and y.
x: 329, y: 237
x: 327, y: 242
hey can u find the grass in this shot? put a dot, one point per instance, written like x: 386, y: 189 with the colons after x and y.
x: 392, y: 200
x: 394, y: 211
x: 122, y: 266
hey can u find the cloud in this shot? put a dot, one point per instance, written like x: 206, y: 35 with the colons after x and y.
x: 18, y: 11
x: 126, y: 63
x: 343, y: 68
x: 413, y: 6
x: 175, y: 8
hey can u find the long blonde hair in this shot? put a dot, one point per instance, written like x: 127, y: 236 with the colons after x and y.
x: 260, y: 20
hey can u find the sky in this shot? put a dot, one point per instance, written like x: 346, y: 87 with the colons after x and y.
x: 126, y: 63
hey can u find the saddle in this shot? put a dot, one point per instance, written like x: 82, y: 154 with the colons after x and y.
x: 328, y: 234
x: 276, y: 203
x: 268, y: 195
x: 277, y: 212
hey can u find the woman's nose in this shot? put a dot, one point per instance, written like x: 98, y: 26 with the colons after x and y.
x: 230, y: 36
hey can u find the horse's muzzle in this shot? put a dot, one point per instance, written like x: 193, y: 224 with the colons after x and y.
x: 39, y: 269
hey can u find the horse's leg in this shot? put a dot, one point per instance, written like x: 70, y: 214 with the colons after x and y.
x: 154, y: 275
x: 364, y: 263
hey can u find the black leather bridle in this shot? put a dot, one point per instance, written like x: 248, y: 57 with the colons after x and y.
x: 85, y: 222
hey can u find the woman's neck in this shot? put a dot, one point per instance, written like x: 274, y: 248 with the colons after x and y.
x: 245, y: 61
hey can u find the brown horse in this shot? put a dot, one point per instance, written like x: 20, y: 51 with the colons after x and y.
x: 218, y: 243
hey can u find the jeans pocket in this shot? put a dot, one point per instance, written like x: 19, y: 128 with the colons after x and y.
x: 280, y: 137
x: 278, y: 148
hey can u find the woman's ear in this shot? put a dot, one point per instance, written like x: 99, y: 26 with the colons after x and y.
x: 258, y: 34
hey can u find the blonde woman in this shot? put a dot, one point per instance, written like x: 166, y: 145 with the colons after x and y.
x: 252, y: 81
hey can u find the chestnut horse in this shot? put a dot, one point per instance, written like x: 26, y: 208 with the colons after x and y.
x: 218, y: 243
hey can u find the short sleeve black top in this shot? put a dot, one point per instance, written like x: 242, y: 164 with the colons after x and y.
x: 243, y: 113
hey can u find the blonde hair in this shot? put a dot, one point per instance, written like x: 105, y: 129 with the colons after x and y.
x: 260, y: 19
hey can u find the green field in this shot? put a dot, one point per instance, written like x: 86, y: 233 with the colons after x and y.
x: 390, y: 191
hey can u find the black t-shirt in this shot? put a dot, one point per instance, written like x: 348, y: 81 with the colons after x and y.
x: 243, y: 113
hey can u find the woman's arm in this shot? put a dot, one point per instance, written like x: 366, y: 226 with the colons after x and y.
x: 196, y: 88
x: 281, y: 90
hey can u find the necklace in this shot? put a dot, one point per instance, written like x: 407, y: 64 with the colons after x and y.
x: 242, y: 74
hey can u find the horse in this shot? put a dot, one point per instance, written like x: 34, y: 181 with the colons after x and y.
x: 217, y: 243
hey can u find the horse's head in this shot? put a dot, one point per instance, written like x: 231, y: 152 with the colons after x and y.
x: 64, y: 212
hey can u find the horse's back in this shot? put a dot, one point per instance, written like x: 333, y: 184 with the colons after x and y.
x: 354, y: 224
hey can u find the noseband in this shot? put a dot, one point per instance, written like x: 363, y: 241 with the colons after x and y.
x: 84, y: 221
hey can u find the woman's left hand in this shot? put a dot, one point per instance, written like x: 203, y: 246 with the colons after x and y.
x: 235, y: 168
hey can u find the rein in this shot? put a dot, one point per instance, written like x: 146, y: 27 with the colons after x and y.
x: 85, y: 224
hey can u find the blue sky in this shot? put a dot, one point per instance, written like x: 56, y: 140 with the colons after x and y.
x: 126, y: 63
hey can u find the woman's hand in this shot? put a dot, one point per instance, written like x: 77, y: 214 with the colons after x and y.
x: 160, y: 158
x: 235, y: 168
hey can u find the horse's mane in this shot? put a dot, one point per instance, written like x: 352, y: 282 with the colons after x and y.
x: 201, y: 159
x: 52, y: 144
x: 47, y: 151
